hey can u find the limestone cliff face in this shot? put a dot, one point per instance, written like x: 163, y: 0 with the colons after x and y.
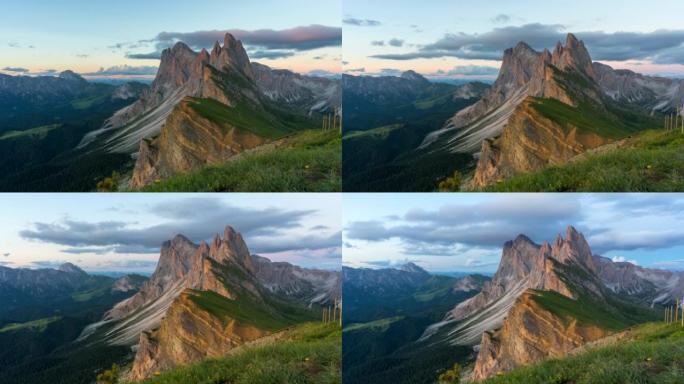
x: 516, y: 71
x: 512, y: 329
x: 530, y: 142
x: 524, y: 266
x: 529, y: 334
x: 188, y: 141
x: 187, y: 334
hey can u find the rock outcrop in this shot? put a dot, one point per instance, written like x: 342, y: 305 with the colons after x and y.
x: 188, y: 141
x: 510, y: 327
x: 530, y: 140
x: 187, y: 310
x: 188, y: 333
x: 529, y: 334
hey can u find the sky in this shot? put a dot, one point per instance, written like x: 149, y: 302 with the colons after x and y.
x: 466, y: 39
x: 123, y: 38
x: 124, y: 232
x: 466, y: 232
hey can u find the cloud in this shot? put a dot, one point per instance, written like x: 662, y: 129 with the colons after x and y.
x: 324, y: 73
x: 13, y: 44
x: 82, y: 56
x: 16, y: 69
x: 46, y: 72
x: 470, y: 70
x: 378, y: 43
x: 477, y: 263
x: 396, y: 42
x: 270, y: 55
x: 361, y: 22
x: 6, y: 254
x: 144, y: 56
x: 488, y: 224
x: 297, y: 39
x: 622, y: 259
x: 501, y: 19
x: 358, y: 70
x: 389, y: 72
x: 266, y: 230
x: 47, y: 263
x: 660, y: 46
x: 124, y: 70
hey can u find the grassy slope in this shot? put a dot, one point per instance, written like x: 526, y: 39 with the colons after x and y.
x: 310, y: 354
x: 653, y: 161
x: 310, y: 164
x: 651, y: 353
x: 38, y: 325
x: 36, y: 133
x: 241, y: 116
x: 242, y: 310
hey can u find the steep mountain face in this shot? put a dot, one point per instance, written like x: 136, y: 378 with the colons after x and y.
x: 511, y: 326
x: 530, y: 334
x: 204, y: 108
x: 487, y: 117
x: 657, y: 94
x: 188, y: 141
x: 314, y: 286
x: 533, y: 137
x: 314, y: 94
x: 204, y: 300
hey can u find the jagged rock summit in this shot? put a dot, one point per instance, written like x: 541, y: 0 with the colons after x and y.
x: 511, y: 322
x: 192, y: 306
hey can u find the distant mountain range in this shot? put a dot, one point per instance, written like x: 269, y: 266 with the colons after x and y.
x: 386, y: 118
x: 386, y: 311
x: 42, y: 312
x: 545, y: 108
x: 201, y: 109
x: 202, y: 301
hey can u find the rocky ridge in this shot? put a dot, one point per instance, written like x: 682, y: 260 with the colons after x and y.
x: 511, y: 328
x: 183, y: 313
x: 529, y: 139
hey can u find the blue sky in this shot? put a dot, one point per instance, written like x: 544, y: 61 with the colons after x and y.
x: 123, y: 232
x: 635, y: 29
x: 83, y: 35
x: 466, y: 232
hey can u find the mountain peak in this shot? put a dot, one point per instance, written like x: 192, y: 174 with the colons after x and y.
x: 571, y: 40
x: 229, y: 40
x: 414, y: 76
x: 181, y: 46
x: 71, y: 76
x: 70, y: 268
x: 412, y: 267
x: 522, y: 47
x: 232, y: 55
